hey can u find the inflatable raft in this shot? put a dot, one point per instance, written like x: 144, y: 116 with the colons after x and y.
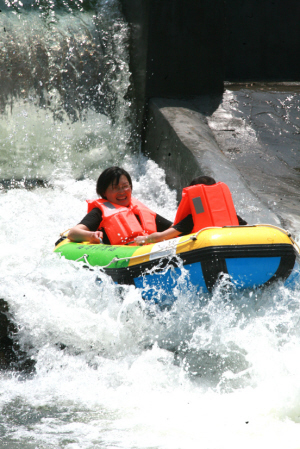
x: 251, y: 256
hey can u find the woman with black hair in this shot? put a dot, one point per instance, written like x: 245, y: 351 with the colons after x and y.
x: 117, y: 218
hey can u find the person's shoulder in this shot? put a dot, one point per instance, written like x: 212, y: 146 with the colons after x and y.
x: 95, y: 211
x: 92, y: 219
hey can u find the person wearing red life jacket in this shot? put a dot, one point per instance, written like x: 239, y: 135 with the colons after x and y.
x: 116, y: 218
x: 204, y: 203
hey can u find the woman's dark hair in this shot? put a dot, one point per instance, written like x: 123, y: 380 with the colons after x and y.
x: 207, y: 180
x: 110, y: 176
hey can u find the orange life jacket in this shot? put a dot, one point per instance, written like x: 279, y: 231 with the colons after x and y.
x: 120, y: 223
x: 209, y: 206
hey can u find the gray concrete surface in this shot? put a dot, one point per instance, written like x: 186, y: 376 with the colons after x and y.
x: 257, y: 127
x: 180, y: 140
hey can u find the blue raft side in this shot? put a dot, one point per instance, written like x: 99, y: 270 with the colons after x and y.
x: 244, y: 273
x: 252, y: 272
x: 158, y: 286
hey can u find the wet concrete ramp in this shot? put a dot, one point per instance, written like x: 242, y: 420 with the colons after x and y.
x: 249, y: 139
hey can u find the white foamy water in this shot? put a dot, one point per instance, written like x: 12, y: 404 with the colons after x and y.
x: 112, y: 370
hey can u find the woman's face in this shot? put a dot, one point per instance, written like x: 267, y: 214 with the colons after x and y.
x: 119, y: 193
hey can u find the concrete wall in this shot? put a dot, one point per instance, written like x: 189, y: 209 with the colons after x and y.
x: 182, y: 48
x: 179, y: 139
x: 185, y: 48
x: 262, y: 40
x: 176, y: 48
x: 137, y: 15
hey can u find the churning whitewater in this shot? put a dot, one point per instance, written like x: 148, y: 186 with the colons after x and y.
x: 110, y: 370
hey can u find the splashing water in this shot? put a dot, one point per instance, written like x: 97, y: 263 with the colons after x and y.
x: 62, y: 97
x: 112, y: 370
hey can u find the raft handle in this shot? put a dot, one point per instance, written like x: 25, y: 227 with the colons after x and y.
x: 84, y: 257
x: 64, y: 233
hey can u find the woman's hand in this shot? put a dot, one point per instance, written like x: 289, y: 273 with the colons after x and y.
x: 81, y: 233
x: 170, y: 233
x: 141, y: 240
x: 96, y: 237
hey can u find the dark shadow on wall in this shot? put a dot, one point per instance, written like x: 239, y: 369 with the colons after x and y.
x: 262, y: 40
x: 185, y: 48
x: 176, y: 49
x: 189, y: 48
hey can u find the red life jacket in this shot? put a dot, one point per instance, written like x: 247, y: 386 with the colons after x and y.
x: 120, y: 223
x: 209, y: 206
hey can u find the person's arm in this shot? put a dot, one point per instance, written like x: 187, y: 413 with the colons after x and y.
x: 81, y: 233
x: 162, y: 224
x: 87, y: 229
x: 184, y: 227
x: 170, y: 233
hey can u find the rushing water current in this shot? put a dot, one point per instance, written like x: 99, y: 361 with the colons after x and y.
x: 111, y: 370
